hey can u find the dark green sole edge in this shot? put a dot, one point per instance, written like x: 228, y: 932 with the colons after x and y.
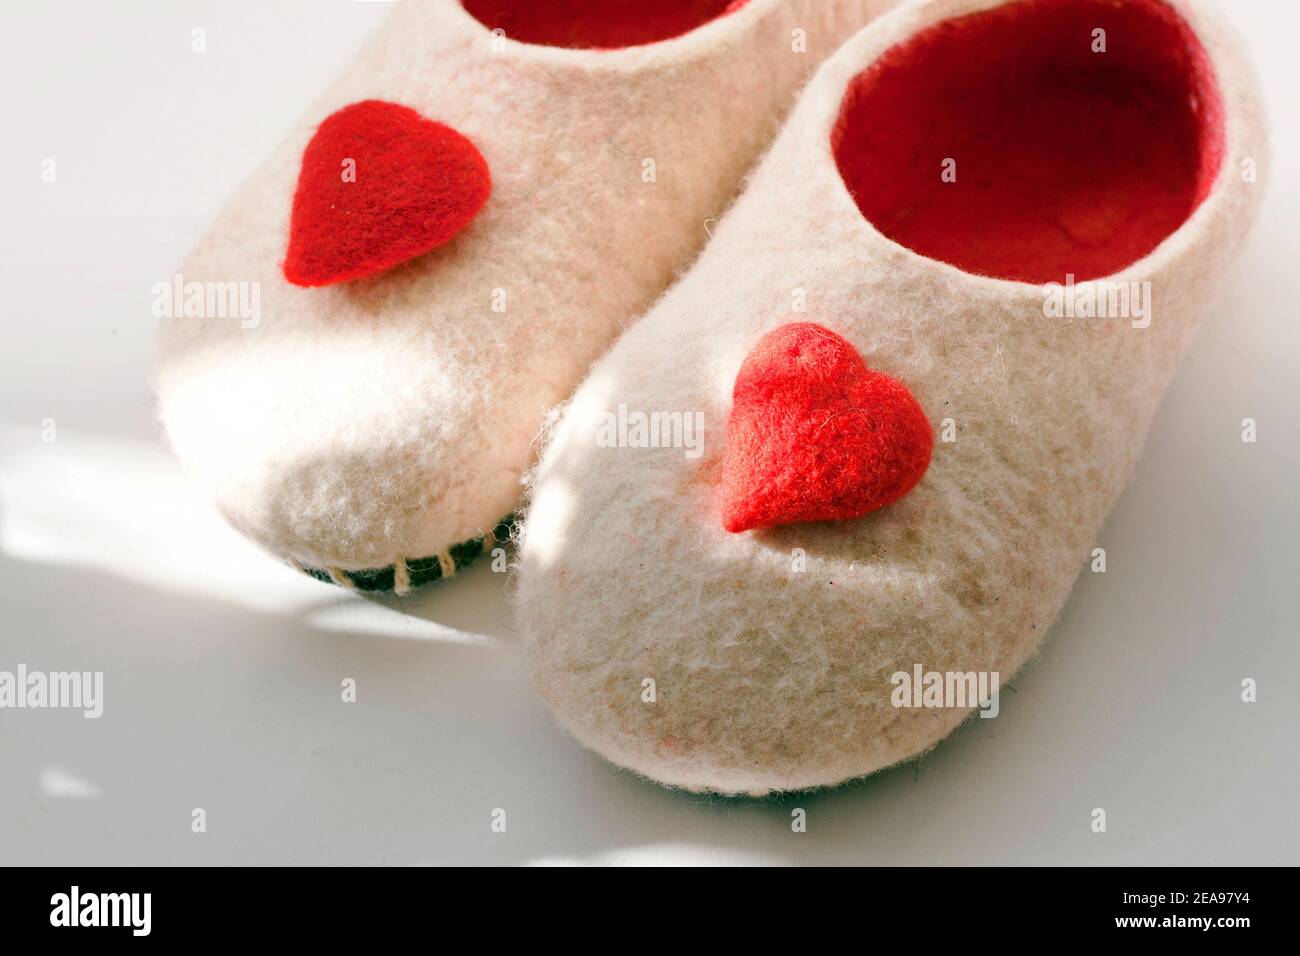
x: 420, y: 571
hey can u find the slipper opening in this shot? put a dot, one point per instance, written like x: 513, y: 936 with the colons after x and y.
x: 1035, y: 140
x: 597, y: 24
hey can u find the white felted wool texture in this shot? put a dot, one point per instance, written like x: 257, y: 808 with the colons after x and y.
x: 767, y: 679
x: 393, y: 417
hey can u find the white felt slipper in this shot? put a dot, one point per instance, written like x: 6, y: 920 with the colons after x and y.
x: 973, y: 257
x: 357, y: 358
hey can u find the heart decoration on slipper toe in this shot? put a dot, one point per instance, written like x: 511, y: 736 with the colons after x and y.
x: 816, y: 435
x: 380, y: 185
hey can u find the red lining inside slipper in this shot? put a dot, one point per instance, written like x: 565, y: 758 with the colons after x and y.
x: 599, y: 24
x: 1067, y: 161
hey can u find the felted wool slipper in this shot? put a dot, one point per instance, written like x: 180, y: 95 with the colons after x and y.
x: 358, y: 356
x: 924, y: 347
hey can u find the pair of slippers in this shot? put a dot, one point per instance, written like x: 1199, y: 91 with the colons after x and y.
x: 872, y: 431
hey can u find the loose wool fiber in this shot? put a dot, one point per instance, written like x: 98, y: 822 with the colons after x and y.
x: 392, y: 417
x: 762, y: 661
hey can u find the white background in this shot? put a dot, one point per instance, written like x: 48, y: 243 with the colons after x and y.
x: 223, y: 667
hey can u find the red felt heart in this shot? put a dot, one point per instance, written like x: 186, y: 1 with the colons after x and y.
x: 815, y: 435
x: 380, y: 185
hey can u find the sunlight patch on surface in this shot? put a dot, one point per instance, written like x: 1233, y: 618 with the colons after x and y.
x: 125, y: 508
x: 665, y: 854
x: 351, y: 615
x: 60, y: 782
